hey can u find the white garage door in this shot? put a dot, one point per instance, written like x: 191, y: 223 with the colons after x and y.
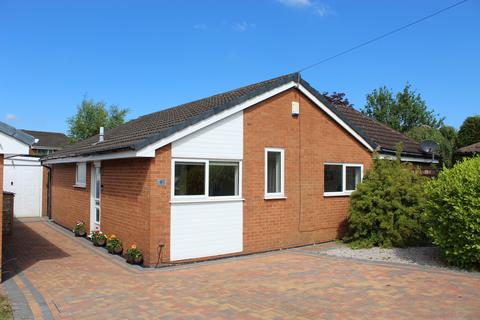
x: 206, y: 229
x: 23, y: 176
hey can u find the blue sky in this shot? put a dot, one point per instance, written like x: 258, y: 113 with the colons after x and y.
x: 148, y: 55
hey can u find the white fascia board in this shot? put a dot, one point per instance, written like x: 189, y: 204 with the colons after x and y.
x: 107, y: 156
x: 329, y: 112
x: 407, y: 159
x: 149, y: 151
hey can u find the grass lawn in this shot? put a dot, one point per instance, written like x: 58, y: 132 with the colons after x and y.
x: 5, y: 309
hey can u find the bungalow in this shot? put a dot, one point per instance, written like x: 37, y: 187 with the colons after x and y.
x: 266, y: 166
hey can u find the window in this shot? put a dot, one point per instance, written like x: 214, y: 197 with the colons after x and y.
x: 274, y: 173
x: 223, y: 179
x: 81, y: 175
x: 333, y: 176
x: 341, y: 179
x: 205, y: 178
x: 353, y: 176
x: 189, y: 179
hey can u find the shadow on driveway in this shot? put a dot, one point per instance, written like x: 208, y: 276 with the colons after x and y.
x: 25, y: 247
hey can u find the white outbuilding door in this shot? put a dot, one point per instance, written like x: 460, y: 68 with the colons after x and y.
x: 23, y: 176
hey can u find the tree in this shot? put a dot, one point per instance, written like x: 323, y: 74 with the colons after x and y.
x: 445, y: 137
x: 337, y: 99
x: 405, y: 111
x: 469, y: 132
x: 91, y: 116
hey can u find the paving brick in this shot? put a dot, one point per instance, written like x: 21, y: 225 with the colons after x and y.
x: 81, y: 282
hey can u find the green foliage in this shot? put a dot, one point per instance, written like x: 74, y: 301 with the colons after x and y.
x: 113, y: 242
x: 445, y: 137
x: 453, y: 209
x: 91, y: 116
x: 403, y: 112
x: 469, y: 132
x: 386, y: 210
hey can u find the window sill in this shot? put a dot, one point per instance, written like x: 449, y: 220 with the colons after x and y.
x: 80, y: 185
x: 187, y: 201
x: 274, y: 197
x: 337, y: 194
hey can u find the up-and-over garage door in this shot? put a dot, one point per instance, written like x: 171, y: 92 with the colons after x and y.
x: 24, y: 177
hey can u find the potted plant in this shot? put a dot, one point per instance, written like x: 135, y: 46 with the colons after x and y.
x: 80, y: 230
x: 134, y: 255
x: 99, y: 238
x: 114, y: 245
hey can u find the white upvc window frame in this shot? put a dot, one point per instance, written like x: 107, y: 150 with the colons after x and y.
x: 205, y: 197
x: 80, y: 184
x: 344, y: 191
x: 281, y: 194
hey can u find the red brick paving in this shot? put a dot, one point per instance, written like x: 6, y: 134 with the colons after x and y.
x: 80, y: 283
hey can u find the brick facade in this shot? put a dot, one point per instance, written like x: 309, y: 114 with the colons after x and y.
x: 309, y: 140
x: 137, y: 209
x: 1, y: 220
x: 69, y: 203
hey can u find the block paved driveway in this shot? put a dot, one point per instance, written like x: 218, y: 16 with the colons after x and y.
x: 51, y: 274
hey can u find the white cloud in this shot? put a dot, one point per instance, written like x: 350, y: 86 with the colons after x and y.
x: 10, y: 117
x: 320, y: 8
x: 243, y: 26
x: 200, y: 26
x: 296, y: 3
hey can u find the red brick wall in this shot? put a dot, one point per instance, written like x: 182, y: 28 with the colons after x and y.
x: 1, y: 220
x: 310, y: 140
x: 69, y: 203
x: 160, y: 206
x: 125, y: 201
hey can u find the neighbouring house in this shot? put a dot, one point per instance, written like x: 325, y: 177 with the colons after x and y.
x: 24, y: 174
x: 46, y: 142
x: 266, y: 166
x: 13, y: 142
x: 469, y: 151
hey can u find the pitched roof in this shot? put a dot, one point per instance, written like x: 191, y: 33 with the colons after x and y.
x: 471, y: 149
x: 145, y: 130
x: 17, y: 134
x: 48, y: 140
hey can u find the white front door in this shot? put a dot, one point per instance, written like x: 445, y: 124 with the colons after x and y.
x: 24, y: 177
x: 96, y: 194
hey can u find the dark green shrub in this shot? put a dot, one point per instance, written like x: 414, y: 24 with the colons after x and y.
x: 453, y: 209
x: 387, y: 208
